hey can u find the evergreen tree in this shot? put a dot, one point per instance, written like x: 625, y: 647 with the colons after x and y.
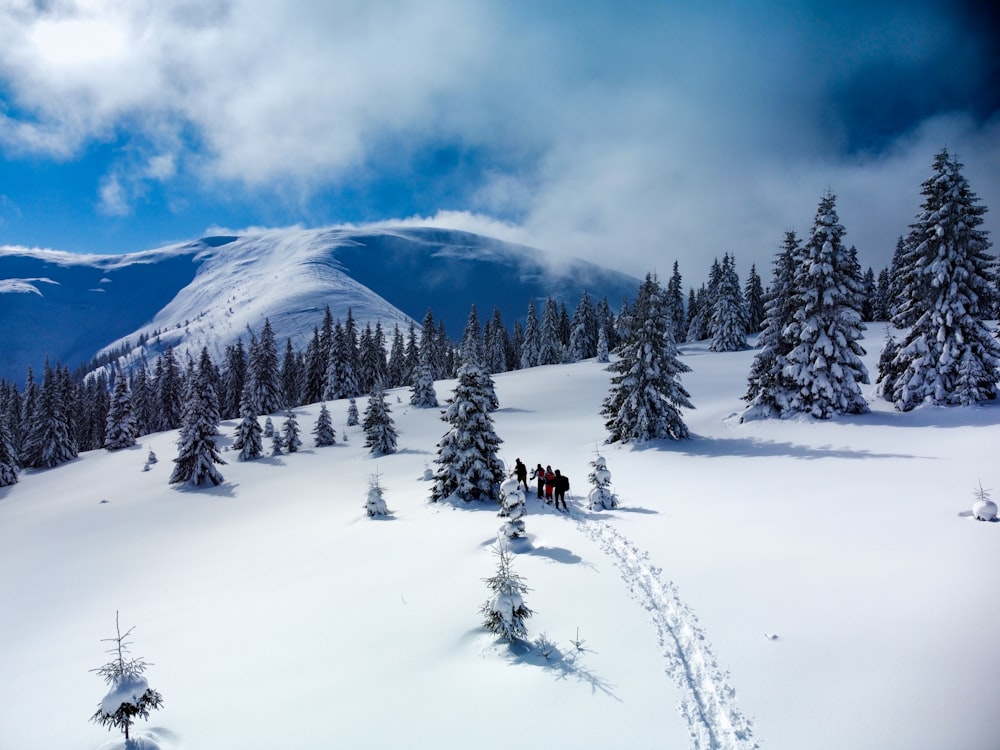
x: 375, y: 504
x: 277, y: 443
x: 882, y: 305
x: 233, y: 378
x: 120, y: 431
x: 753, y: 295
x: 512, y: 508
x: 249, y: 439
x: 505, y: 610
x: 646, y: 394
x: 532, y: 343
x: 197, y: 452
x: 675, y: 302
x: 869, y: 297
x: 550, y: 348
x: 472, y: 343
x: 496, y: 344
x: 764, y: 382
x: 8, y: 456
x: 583, y: 330
x: 317, y: 360
x: 422, y: 394
x: 352, y: 413
x: 290, y: 395
x: 823, y: 372
x: 263, y: 375
x: 602, y: 345
x: 290, y: 432
x: 50, y: 440
x: 729, y: 316
x: 142, y: 399
x: 606, y: 320
x: 169, y: 391
x: 468, y: 466
x: 398, y: 373
x: 947, y: 355
x: 324, y: 431
x: 378, y: 425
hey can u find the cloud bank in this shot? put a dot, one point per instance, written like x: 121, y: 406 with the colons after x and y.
x: 628, y: 133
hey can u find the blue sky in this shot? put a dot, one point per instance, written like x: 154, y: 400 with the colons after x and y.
x: 641, y: 132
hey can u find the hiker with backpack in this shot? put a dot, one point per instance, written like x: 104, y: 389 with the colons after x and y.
x: 521, y: 472
x: 550, y: 484
x: 561, y: 485
x: 539, y: 474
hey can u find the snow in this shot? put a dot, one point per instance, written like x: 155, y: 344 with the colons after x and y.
x: 127, y: 690
x: 275, y: 614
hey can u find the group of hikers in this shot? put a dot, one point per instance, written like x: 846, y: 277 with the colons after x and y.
x: 554, y: 484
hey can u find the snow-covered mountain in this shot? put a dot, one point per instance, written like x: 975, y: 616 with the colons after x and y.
x: 208, y: 292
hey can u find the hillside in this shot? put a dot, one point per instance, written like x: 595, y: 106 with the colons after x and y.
x: 276, y: 614
x: 210, y: 291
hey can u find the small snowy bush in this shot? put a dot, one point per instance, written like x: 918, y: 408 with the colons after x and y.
x: 984, y: 509
x: 375, y: 505
x: 505, y: 610
x: 512, y: 508
x: 601, y: 496
x: 130, y: 694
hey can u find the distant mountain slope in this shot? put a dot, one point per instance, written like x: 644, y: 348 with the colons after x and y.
x: 209, y: 292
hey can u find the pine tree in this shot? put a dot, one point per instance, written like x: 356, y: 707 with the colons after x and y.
x: 142, y: 400
x: 249, y: 434
x: 378, y: 425
x: 601, y: 496
x: 169, y: 391
x: 263, y: 375
x: 675, y: 302
x: 352, y: 413
x: 398, y: 373
x: 823, y: 373
x: 120, y: 431
x: 947, y: 355
x: 375, y: 504
x: 532, y: 343
x: 316, y: 362
x: 512, y: 508
x: 765, y: 393
x: 729, y: 316
x: 602, y: 345
x: 289, y: 377
x: 197, y: 452
x: 8, y: 456
x: 646, y: 395
x: 324, y: 431
x: 290, y: 432
x: 496, y: 344
x: 583, y: 330
x: 422, y: 394
x: 468, y: 466
x: 50, y: 440
x: 550, y: 348
x: 753, y: 295
x: 505, y: 610
x: 130, y: 695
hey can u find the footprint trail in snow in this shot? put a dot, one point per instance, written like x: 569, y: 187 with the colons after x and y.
x: 708, y: 702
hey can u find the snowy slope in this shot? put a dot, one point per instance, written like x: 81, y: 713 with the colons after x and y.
x: 208, y: 292
x: 276, y: 614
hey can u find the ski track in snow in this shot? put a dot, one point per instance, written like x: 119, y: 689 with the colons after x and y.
x: 708, y: 702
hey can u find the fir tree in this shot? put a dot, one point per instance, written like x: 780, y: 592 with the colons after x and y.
x: 753, y: 295
x: 324, y: 431
x: 646, y: 395
x: 505, y: 610
x: 263, y: 375
x: 729, y: 317
x: 316, y: 362
x: 378, y: 425
x: 512, y: 508
x: 422, y: 394
x: 532, y: 343
x: 277, y: 443
x: 290, y: 432
x: 375, y: 504
x: 197, y: 452
x: 468, y: 466
x: 8, y: 456
x: 290, y: 377
x: 583, y: 330
x: 823, y: 371
x: 675, y: 302
x: 496, y: 344
x: 120, y: 431
x: 169, y: 391
x: 550, y: 348
x: 130, y: 695
x: 50, y: 439
x: 947, y: 355
x: 249, y: 434
x: 352, y: 413
x: 601, y: 496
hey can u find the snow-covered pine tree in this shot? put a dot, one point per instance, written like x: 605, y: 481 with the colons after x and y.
x: 505, y: 610
x: 601, y: 496
x: 8, y: 456
x: 729, y: 315
x: 249, y: 435
x: 50, y: 440
x: 422, y: 393
x: 169, y: 384
x: 512, y: 508
x: 675, y: 301
x: 289, y: 376
x: 583, y: 330
x: 646, y: 394
x: 197, y: 452
x: 378, y: 425
x: 947, y: 355
x: 375, y: 504
x: 277, y: 443
x: 496, y: 344
x: 753, y: 297
x: 324, y: 431
x: 472, y: 340
x: 290, y: 432
x: 398, y: 373
x: 263, y: 374
x: 602, y: 345
x: 550, y: 348
x: 120, y: 431
x: 823, y: 371
x: 352, y: 413
x: 764, y: 391
x: 468, y: 466
x: 130, y: 695
x: 316, y: 361
x: 532, y: 338
x: 268, y: 424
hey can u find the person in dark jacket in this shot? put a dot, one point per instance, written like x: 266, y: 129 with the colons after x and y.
x: 561, y: 488
x: 539, y: 474
x: 521, y: 472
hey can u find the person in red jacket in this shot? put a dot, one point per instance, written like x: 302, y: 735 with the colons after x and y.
x: 550, y: 484
x: 539, y: 474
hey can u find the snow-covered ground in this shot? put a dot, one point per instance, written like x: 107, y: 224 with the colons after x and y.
x: 791, y: 584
